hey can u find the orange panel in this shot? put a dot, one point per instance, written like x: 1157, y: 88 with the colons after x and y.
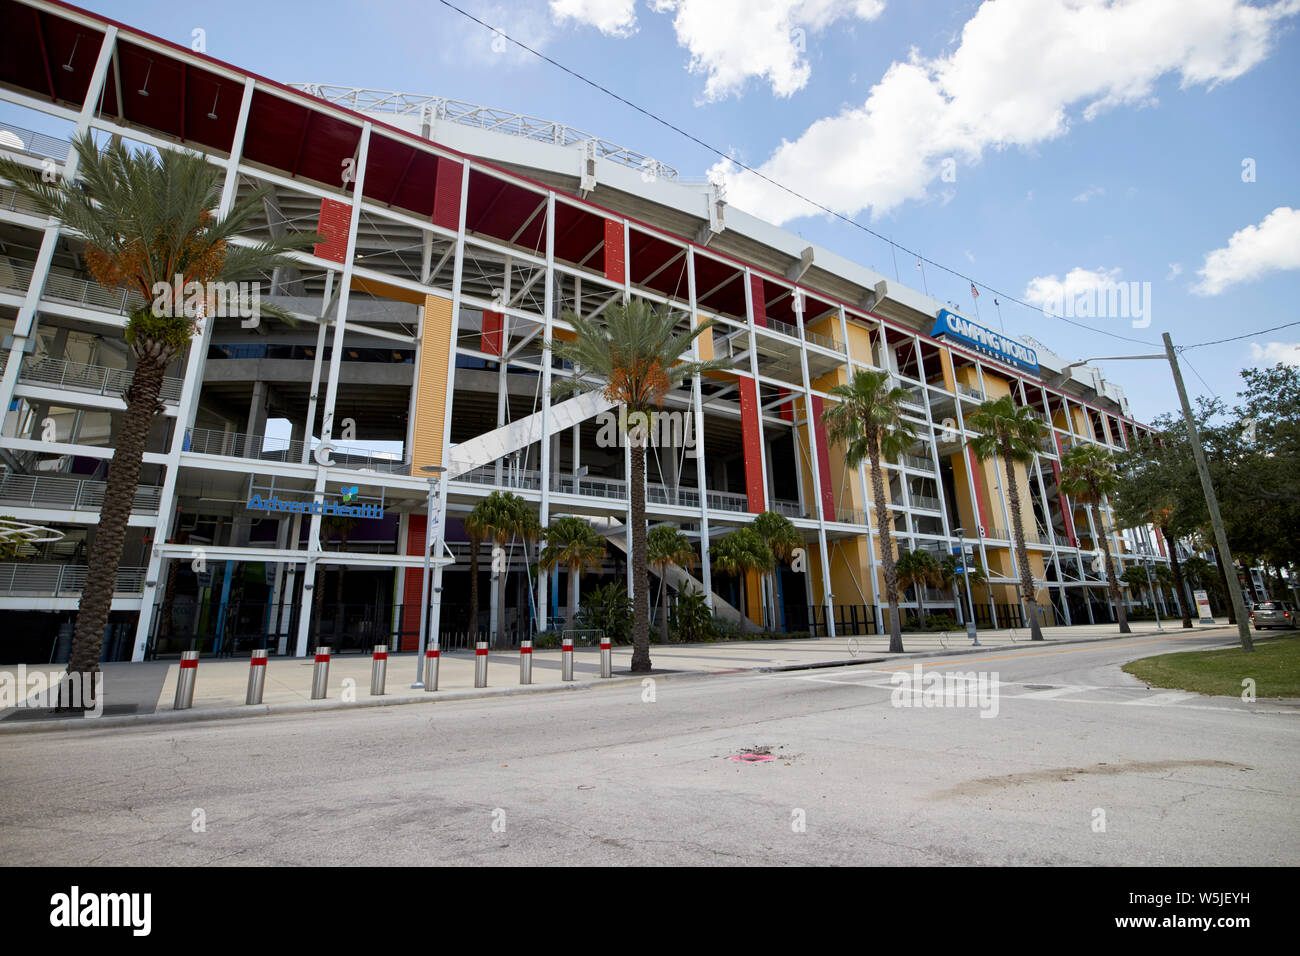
x: 431, y: 388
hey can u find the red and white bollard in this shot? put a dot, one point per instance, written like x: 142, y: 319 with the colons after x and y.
x: 606, y: 658
x: 378, y: 670
x: 432, y: 658
x: 566, y: 659
x: 320, y: 674
x: 185, y: 680
x: 256, y: 676
x: 525, y: 662
x: 480, y: 664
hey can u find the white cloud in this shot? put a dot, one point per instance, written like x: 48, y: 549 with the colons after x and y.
x: 1092, y: 192
x: 526, y: 22
x: 1272, y: 246
x: 1021, y: 73
x: 1274, y: 352
x: 1175, y: 270
x: 731, y: 41
x: 1049, y: 292
x: 616, y: 18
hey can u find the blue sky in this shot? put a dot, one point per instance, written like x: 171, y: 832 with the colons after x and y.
x: 1037, y: 146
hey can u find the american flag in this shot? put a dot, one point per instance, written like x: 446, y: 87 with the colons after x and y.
x: 974, y: 292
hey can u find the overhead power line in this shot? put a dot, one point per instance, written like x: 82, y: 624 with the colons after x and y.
x: 1237, y: 338
x: 779, y: 185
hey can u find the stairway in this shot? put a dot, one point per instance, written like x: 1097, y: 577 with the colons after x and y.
x: 490, y: 446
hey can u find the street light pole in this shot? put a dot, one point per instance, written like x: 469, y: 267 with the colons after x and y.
x: 433, y: 471
x: 1202, y: 470
x: 1211, y: 501
x: 971, y: 632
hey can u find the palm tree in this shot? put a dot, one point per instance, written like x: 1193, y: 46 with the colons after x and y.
x: 666, y: 546
x: 634, y: 357
x: 145, y: 218
x: 1012, y: 432
x: 504, y: 517
x: 950, y: 577
x: 782, y: 539
x: 737, y: 554
x: 574, y: 545
x: 868, y: 421
x: 1166, y: 579
x: 1135, y: 576
x: 918, y: 568
x: 1088, y: 476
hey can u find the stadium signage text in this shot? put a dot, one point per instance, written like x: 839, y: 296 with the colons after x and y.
x: 1005, y: 350
x: 341, y: 508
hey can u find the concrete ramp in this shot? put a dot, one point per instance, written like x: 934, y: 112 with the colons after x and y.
x: 490, y: 446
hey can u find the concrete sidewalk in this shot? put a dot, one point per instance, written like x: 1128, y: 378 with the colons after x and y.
x: 131, y: 696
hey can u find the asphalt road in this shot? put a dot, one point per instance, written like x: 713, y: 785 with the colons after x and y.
x: 606, y: 776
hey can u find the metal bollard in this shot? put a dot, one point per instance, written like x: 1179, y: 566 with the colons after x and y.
x: 606, y: 658
x: 378, y: 670
x: 321, y: 674
x: 566, y: 659
x: 431, y: 661
x: 480, y: 664
x: 185, y: 680
x: 256, y: 676
x: 525, y: 662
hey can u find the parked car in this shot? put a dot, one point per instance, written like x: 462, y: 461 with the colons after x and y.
x: 1273, y: 614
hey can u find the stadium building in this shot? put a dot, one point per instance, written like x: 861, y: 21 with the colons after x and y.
x: 455, y: 239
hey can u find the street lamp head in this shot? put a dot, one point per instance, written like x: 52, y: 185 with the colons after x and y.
x: 432, y: 469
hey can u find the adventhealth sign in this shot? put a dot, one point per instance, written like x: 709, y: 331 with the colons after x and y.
x: 276, y: 503
x: 953, y: 326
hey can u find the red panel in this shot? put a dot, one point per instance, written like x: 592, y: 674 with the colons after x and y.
x: 786, y: 409
x: 1066, y: 516
x: 615, y: 267
x: 335, y: 217
x: 446, y: 194
x: 1160, y: 543
x: 414, y: 585
x: 979, y: 488
x: 759, y: 299
x: 491, y: 333
x: 823, y: 460
x: 753, y: 447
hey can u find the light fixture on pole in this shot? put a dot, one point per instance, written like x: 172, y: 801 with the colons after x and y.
x: 433, y: 471
x: 970, y: 603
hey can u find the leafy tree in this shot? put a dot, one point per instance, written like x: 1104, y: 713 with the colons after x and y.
x: 574, y: 545
x: 634, y: 355
x: 950, y: 577
x: 607, y: 608
x: 1088, y: 476
x: 1012, y: 432
x: 1135, y: 576
x: 867, y: 419
x: 666, y: 546
x: 501, y: 517
x: 691, y: 617
x: 146, y: 218
x: 737, y: 554
x: 782, y: 538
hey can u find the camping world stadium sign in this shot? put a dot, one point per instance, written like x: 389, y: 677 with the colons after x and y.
x: 1008, y: 351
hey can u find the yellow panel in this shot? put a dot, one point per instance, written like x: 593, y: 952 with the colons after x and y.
x: 754, y: 597
x: 431, y: 388
x: 705, y: 340
x: 386, y: 291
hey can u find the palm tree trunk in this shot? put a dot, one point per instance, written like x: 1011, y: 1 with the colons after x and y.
x: 1111, y: 580
x: 663, y: 604
x: 640, y: 579
x: 119, y: 494
x: 1174, y: 565
x: 473, y: 585
x: 1028, y: 599
x: 886, y: 531
x: 744, y: 604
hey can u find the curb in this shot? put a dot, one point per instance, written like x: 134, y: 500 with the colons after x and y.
x: 268, y: 710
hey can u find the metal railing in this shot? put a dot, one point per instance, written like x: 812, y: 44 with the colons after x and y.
x: 99, y: 379
x: 16, y: 275
x: 206, y: 441
x: 925, y: 502
x: 16, y: 201
x: 969, y: 392
x: 33, y: 143
x: 60, y: 580
x: 920, y: 464
x: 76, y: 494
